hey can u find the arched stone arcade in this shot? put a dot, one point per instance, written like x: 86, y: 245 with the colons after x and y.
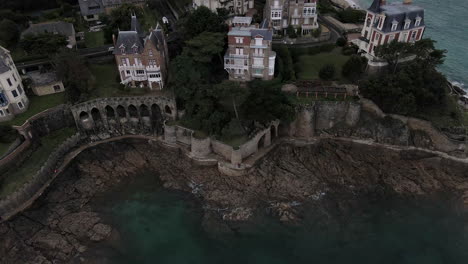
x: 124, y: 115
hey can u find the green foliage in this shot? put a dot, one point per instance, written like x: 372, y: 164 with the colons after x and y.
x: 9, y: 33
x: 325, y: 6
x: 291, y: 32
x: 327, y: 72
x: 120, y: 18
x: 266, y: 103
x: 205, y: 46
x: 287, y: 66
x: 412, y: 89
x: 200, y: 20
x: 350, y: 49
x: 73, y: 71
x: 7, y: 134
x: 233, y: 129
x: 354, y: 67
x: 341, y: 42
x: 17, y: 17
x: 350, y: 15
x: 317, y: 32
x: 45, y: 43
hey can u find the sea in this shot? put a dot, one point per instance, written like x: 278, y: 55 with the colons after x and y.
x: 156, y: 225
x: 446, y: 22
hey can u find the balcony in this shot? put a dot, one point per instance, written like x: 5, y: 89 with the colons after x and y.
x: 133, y: 67
x: 258, y: 55
x: 239, y: 56
x: 235, y: 67
x: 153, y: 68
x: 258, y: 66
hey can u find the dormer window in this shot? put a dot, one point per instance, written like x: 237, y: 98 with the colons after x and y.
x: 407, y: 23
x: 135, y: 49
x: 394, y: 25
x: 418, y: 22
x: 122, y: 49
x: 150, y: 53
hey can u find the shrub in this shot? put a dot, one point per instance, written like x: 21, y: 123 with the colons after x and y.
x: 341, y: 42
x: 354, y: 67
x: 7, y: 134
x: 317, y: 32
x: 291, y: 32
x: 350, y: 15
x: 327, y: 72
x: 350, y: 49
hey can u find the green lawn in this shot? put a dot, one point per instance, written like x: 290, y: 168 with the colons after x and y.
x: 15, y: 179
x: 4, y: 147
x: 37, y: 105
x: 94, y: 39
x: 308, y: 66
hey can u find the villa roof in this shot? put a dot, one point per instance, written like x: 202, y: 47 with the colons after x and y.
x: 242, y: 20
x: 400, y: 12
x: 56, y: 27
x: 128, y: 40
x: 265, y: 33
x: 107, y: 3
x: 45, y: 78
x: 4, y: 67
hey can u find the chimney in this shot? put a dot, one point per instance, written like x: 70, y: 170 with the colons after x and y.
x: 407, y: 2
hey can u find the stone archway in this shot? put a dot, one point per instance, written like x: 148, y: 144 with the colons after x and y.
x: 110, y: 113
x: 168, y: 110
x: 261, y: 142
x: 96, y: 115
x: 144, y: 111
x: 132, y: 111
x: 273, y: 132
x: 121, y: 112
x: 85, y: 120
x: 157, y: 119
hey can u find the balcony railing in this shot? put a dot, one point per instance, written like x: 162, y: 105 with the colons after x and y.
x: 242, y: 56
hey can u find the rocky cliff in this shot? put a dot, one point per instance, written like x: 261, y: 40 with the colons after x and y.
x: 62, y: 225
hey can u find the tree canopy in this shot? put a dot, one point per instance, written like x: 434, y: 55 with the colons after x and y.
x: 9, y: 33
x: 75, y: 74
x: 201, y: 20
x: 44, y: 43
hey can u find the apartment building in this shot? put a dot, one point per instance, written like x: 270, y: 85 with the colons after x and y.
x: 300, y: 14
x: 13, y: 99
x: 237, y: 7
x: 249, y: 55
x: 91, y: 9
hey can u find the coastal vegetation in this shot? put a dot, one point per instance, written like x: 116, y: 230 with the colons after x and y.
x: 16, y: 178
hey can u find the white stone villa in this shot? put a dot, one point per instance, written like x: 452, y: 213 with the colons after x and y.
x: 142, y: 59
x: 249, y: 54
x: 237, y: 7
x: 385, y: 23
x: 13, y: 99
x: 300, y: 14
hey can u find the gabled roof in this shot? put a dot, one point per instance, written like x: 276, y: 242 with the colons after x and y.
x: 265, y: 33
x: 56, y: 27
x: 157, y: 38
x: 91, y: 7
x: 127, y: 40
x: 108, y: 3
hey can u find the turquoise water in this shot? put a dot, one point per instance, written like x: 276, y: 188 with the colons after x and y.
x: 446, y: 22
x: 161, y: 226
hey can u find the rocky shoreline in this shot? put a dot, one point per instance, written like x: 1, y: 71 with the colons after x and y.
x: 62, y: 226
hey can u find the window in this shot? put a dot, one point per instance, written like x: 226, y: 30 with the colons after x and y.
x: 135, y: 49
x: 150, y: 53
x: 128, y: 72
x: 14, y: 93
x: 140, y: 72
x: 9, y: 81
x: 1, y: 113
x: 20, y: 90
x: 20, y: 105
x: 391, y: 38
x: 413, y: 35
x: 368, y: 22
x: 152, y: 63
x: 276, y: 14
x: 239, y: 40
x: 309, y: 11
x: 57, y: 88
x: 7, y: 111
x: 3, y: 100
x: 418, y: 22
x: 407, y: 23
x: 394, y: 25
x: 14, y: 77
x: 122, y: 49
x: 155, y: 75
x: 123, y: 62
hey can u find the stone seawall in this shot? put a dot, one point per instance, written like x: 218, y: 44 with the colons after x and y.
x: 365, y: 120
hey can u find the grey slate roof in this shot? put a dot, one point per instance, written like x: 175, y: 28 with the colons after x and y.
x: 128, y: 39
x: 91, y: 7
x: 56, y: 27
x: 45, y: 78
x: 3, y: 63
x: 108, y: 3
x: 265, y: 33
x: 135, y: 26
x: 375, y: 6
x: 157, y: 38
x: 400, y: 13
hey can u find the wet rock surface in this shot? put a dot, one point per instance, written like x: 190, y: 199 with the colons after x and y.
x: 62, y: 225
